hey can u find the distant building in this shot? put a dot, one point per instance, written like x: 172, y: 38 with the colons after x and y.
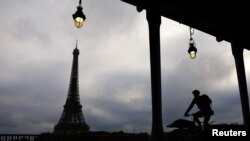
x: 72, y: 119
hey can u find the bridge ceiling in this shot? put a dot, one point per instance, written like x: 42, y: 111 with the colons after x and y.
x: 226, y: 21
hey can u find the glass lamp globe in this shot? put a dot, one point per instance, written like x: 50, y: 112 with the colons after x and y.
x: 79, y: 17
x: 192, y: 51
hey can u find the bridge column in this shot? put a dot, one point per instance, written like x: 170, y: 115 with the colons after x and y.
x: 237, y: 50
x: 154, y: 21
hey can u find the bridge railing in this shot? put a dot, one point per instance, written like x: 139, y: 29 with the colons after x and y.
x: 51, y: 137
x: 18, y: 137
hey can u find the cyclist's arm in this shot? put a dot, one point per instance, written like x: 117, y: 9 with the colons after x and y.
x: 189, y: 108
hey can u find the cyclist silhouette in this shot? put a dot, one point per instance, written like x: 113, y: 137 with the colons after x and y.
x: 204, y: 104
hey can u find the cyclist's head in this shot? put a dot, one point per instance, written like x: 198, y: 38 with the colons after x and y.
x: 196, y: 92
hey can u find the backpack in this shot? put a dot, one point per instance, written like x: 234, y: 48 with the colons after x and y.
x: 205, y: 100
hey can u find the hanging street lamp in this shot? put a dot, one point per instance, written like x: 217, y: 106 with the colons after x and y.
x: 79, y: 17
x: 192, y: 47
x: 192, y: 50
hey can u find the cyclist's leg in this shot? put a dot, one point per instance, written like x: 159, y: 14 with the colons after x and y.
x: 206, y: 119
x: 197, y: 115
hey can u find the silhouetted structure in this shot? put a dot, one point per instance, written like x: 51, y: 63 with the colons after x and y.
x: 72, y: 118
x: 215, y: 18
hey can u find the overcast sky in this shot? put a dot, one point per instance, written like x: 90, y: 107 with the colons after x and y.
x: 37, y: 39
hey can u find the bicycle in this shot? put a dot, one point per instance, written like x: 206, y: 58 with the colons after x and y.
x: 186, y: 128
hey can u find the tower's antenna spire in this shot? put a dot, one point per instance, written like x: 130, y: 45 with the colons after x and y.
x: 76, y: 43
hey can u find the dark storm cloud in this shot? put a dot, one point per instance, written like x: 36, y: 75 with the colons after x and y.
x: 122, y: 100
x: 110, y: 15
x: 26, y: 30
x: 31, y: 102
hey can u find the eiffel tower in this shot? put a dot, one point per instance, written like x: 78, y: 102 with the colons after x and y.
x: 72, y: 118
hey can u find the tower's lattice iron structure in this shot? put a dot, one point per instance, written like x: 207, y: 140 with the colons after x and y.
x: 72, y: 118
